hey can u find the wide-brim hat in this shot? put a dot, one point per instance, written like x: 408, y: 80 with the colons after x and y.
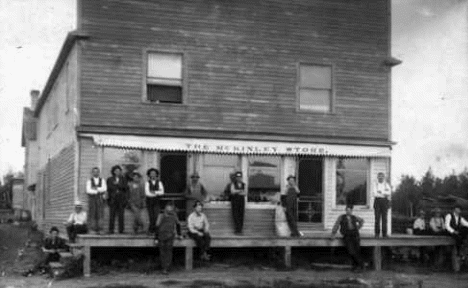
x: 238, y: 174
x: 291, y: 176
x: 195, y: 175
x: 78, y: 203
x: 152, y: 169
x: 135, y: 173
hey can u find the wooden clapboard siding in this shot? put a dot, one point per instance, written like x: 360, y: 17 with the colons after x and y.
x: 332, y: 211
x: 58, y: 116
x: 240, y: 62
x: 257, y: 222
x: 59, y: 196
x: 89, y: 158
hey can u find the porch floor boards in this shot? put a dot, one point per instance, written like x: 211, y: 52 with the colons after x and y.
x: 310, y: 239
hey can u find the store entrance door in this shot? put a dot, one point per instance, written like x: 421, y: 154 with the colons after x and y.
x: 174, y: 178
x: 310, y: 182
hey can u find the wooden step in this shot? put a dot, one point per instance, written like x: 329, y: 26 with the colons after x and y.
x: 64, y: 255
x: 56, y: 265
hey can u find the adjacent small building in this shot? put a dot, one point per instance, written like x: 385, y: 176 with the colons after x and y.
x: 269, y: 88
x: 31, y: 150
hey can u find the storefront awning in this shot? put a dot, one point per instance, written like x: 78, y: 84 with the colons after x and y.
x: 200, y: 145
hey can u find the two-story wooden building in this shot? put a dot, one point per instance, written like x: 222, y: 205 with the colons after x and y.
x: 270, y: 88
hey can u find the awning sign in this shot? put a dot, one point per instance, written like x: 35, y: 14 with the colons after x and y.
x: 236, y: 146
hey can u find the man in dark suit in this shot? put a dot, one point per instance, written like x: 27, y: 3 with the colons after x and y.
x: 117, y: 191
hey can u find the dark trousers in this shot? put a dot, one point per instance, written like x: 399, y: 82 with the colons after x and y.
x: 238, y: 210
x: 165, y: 252
x: 380, y: 210
x: 203, y: 242
x: 152, y: 205
x: 290, y: 202
x: 117, y: 209
x: 96, y: 212
x: 75, y: 229
x: 459, y: 239
x: 353, y: 245
x: 51, y: 257
x: 137, y: 221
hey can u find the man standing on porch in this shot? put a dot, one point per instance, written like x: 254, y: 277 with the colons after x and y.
x: 117, y: 189
x: 238, y: 203
x: 96, y: 188
x: 382, y: 192
x: 153, y: 189
x: 349, y: 226
x: 290, y: 203
x: 457, y: 226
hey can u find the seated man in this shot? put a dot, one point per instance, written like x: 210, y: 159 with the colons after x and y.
x: 53, y: 245
x: 76, y: 223
x: 198, y: 227
x: 456, y: 225
x: 349, y: 226
x: 419, y: 225
x: 437, y: 223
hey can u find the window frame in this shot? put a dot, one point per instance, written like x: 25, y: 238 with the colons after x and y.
x: 248, y: 175
x: 184, y: 73
x: 341, y: 207
x: 298, y: 87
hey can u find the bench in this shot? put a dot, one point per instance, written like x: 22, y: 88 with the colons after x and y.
x: 286, y: 243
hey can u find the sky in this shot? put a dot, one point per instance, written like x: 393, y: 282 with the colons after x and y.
x: 429, y: 89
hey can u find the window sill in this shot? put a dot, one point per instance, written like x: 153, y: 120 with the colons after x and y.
x: 356, y: 207
x: 313, y: 112
x: 163, y: 104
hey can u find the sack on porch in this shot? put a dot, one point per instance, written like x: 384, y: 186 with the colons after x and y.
x: 282, y: 228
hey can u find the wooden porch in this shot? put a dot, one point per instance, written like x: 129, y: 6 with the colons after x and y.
x: 311, y: 239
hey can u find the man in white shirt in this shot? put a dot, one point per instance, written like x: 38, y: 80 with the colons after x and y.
x: 96, y: 188
x: 198, y: 227
x: 382, y: 192
x: 456, y: 225
x: 153, y: 190
x: 419, y: 225
x: 76, y: 223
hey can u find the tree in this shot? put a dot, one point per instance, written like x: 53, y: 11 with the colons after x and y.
x: 428, y: 183
x: 407, y: 196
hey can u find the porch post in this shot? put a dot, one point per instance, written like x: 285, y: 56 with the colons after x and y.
x: 87, y: 261
x: 287, y: 256
x: 377, y: 258
x: 455, y: 259
x: 188, y: 257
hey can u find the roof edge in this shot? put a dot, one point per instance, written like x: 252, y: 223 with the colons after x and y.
x: 246, y: 136
x: 67, y: 46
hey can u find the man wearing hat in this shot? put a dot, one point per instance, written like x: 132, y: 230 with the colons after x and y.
x: 195, y: 191
x: 290, y: 203
x: 238, y: 203
x: 153, y: 190
x: 96, y: 189
x: 76, y: 223
x: 136, y: 201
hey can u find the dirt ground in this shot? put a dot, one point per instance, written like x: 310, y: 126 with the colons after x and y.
x: 230, y: 268
x: 238, y: 277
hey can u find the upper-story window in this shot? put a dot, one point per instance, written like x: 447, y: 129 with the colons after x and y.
x: 315, y: 88
x: 164, y: 78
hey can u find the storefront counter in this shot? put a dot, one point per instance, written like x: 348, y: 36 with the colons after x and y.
x: 259, y: 219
